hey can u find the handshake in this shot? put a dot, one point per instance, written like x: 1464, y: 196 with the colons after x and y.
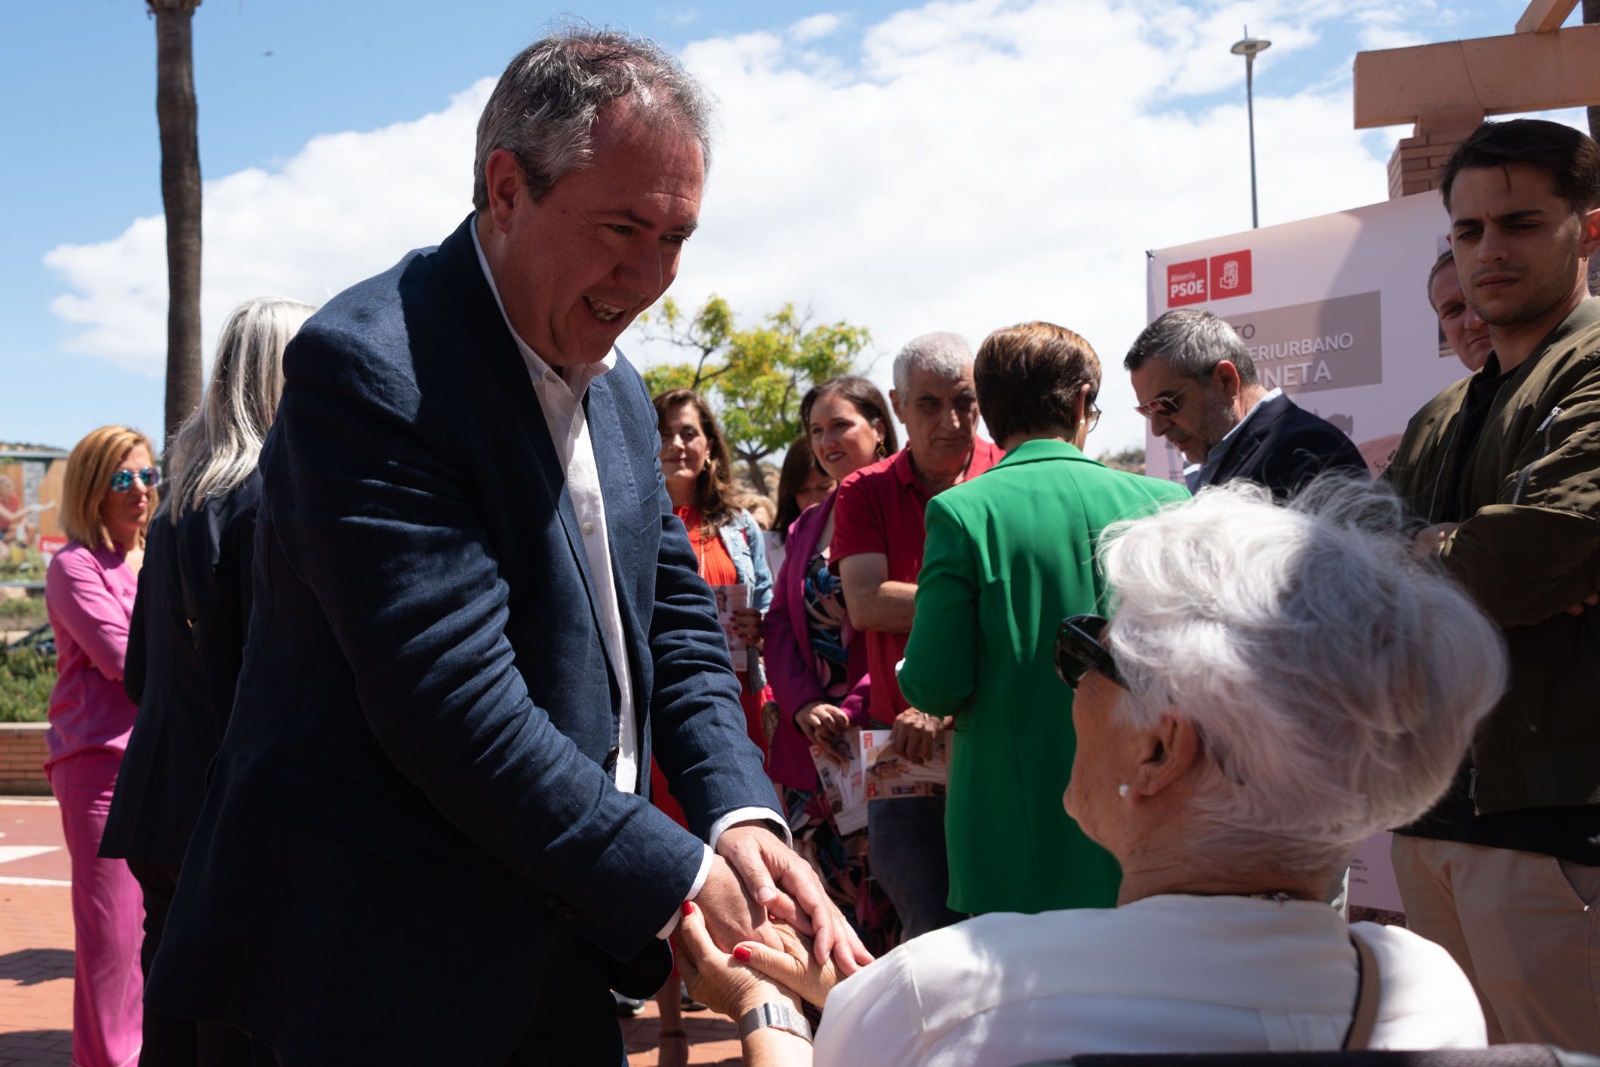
x: 755, y: 879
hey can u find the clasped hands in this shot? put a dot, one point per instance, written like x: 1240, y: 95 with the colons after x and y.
x: 785, y: 968
x: 756, y: 878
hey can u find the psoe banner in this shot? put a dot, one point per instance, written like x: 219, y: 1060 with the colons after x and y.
x: 1333, y: 310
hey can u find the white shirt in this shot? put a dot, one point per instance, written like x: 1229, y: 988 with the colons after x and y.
x: 1164, y: 974
x: 561, y: 400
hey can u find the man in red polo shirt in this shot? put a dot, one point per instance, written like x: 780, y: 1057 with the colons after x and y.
x: 877, y: 548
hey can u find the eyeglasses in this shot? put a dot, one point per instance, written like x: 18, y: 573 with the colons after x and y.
x: 1091, y: 417
x: 1165, y: 406
x: 122, y: 480
x: 1078, y: 650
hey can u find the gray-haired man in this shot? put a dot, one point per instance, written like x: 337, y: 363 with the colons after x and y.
x: 476, y: 618
x: 1197, y: 385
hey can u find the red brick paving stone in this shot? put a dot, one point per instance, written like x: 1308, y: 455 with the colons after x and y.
x: 713, y: 1039
x: 36, y: 962
x: 35, y: 822
x: 35, y: 941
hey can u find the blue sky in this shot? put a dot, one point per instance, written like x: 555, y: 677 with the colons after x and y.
x: 962, y: 164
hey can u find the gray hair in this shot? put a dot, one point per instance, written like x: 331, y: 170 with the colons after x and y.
x: 546, y: 105
x: 943, y: 355
x: 1193, y: 342
x: 217, y: 447
x: 1335, y: 682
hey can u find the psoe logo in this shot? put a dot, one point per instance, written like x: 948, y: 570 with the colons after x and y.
x: 1230, y: 274
x: 1186, y: 283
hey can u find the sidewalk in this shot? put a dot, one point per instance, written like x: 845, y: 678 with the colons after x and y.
x: 36, y: 955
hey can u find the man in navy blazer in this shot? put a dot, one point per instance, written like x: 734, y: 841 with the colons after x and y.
x: 476, y: 619
x: 1197, y: 385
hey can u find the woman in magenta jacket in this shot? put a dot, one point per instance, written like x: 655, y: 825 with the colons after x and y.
x: 817, y: 670
x: 107, y: 498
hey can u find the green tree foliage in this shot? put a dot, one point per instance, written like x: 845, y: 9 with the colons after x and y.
x: 1125, y: 459
x: 754, y: 377
x: 25, y: 680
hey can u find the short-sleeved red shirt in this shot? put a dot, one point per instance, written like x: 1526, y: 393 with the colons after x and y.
x: 879, y: 510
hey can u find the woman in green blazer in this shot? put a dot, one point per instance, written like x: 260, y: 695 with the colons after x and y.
x: 1008, y: 554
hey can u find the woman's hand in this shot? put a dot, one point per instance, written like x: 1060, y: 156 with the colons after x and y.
x: 746, y: 625
x: 715, y: 979
x: 822, y: 723
x: 915, y: 734
x: 795, y: 967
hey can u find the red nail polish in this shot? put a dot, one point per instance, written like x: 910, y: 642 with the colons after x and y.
x: 742, y: 953
x: 688, y: 907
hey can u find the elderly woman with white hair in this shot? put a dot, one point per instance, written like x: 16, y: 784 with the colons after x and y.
x: 1276, y: 683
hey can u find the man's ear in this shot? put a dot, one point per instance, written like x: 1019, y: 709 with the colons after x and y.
x: 1227, y: 376
x: 1169, y: 751
x: 1589, y: 244
x: 894, y: 404
x: 506, y: 188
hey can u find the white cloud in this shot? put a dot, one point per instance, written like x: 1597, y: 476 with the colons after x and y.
x: 346, y: 206
x: 814, y: 28
x: 974, y: 163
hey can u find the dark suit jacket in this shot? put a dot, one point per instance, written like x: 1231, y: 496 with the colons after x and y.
x: 182, y: 679
x: 412, y: 832
x: 1283, y: 446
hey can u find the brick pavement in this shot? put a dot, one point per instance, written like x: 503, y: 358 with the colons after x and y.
x: 36, y: 955
x: 35, y: 936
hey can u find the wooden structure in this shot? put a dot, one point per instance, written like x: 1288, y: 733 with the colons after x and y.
x: 1448, y: 89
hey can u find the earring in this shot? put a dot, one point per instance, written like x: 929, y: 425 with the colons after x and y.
x: 1122, y: 790
x: 881, y: 449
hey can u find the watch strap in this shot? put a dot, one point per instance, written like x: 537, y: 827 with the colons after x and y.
x: 778, y: 1016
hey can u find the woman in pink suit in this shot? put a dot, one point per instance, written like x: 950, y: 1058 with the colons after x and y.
x: 107, y: 500
x: 815, y: 666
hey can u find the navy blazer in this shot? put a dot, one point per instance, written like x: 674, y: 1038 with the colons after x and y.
x: 1283, y: 446
x: 413, y: 814
x: 182, y: 678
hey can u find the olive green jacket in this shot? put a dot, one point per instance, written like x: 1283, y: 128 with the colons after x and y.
x: 1528, y: 547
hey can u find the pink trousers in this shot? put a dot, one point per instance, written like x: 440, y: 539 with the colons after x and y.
x: 107, y: 918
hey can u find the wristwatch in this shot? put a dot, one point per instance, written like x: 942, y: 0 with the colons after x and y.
x: 780, y: 1016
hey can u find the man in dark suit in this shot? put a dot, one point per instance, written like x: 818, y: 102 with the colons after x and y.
x: 1197, y: 385
x: 476, y: 619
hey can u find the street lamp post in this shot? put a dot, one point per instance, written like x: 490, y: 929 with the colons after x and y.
x: 1248, y: 48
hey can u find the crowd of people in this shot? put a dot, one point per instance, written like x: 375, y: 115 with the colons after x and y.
x: 441, y: 677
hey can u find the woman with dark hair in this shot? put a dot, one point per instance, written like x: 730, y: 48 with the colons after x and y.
x: 186, y: 643
x: 107, y: 496
x: 817, y: 668
x: 728, y: 543
x: 801, y: 483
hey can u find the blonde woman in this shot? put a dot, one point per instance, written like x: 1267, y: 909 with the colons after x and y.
x: 108, y: 496
x: 187, y: 637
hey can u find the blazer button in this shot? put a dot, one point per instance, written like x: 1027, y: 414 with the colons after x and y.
x: 610, y: 765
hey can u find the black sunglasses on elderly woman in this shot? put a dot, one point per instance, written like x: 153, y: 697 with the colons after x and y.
x: 1078, y: 650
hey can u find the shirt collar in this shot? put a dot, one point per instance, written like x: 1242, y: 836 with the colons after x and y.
x: 1221, y: 448
x: 577, y: 378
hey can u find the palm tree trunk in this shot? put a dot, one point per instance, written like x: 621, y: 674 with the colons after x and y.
x: 176, y: 115
x: 1591, y: 15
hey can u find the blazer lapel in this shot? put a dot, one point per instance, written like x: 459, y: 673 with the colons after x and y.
x: 485, y: 326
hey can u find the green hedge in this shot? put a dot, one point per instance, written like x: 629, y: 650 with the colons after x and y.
x: 25, y: 680
x: 22, y: 613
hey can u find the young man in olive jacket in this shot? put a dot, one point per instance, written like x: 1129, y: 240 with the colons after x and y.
x: 1504, y: 467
